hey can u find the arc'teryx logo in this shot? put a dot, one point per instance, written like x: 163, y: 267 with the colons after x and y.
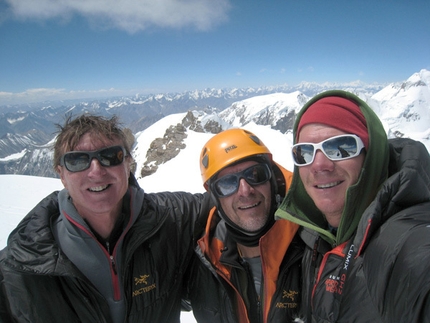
x: 143, y: 279
x: 289, y: 295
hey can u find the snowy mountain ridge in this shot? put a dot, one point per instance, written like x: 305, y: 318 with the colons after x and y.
x: 403, y: 108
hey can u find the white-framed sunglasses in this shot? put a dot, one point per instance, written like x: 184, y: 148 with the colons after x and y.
x: 335, y: 148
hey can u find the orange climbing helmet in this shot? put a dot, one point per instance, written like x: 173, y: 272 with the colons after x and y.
x: 228, y: 147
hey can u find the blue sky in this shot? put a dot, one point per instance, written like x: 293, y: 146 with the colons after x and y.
x: 52, y: 49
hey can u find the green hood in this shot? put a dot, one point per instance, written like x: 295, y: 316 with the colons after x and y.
x: 298, y: 207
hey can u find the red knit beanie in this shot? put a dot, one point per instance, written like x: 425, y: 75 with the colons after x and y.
x: 339, y: 113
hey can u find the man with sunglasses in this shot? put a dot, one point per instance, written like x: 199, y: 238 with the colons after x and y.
x: 100, y: 250
x: 247, y: 268
x: 364, y: 204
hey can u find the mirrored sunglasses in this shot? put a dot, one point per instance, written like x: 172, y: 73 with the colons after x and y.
x: 77, y: 161
x: 335, y: 148
x: 229, y: 184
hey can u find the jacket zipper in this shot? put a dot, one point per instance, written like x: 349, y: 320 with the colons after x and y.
x: 106, y: 251
x: 112, y: 260
x: 114, y: 274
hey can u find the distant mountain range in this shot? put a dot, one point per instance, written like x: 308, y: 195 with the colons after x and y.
x: 26, y: 131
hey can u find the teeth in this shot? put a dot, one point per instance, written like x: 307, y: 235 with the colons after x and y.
x: 98, y: 188
x: 249, y: 206
x: 328, y: 185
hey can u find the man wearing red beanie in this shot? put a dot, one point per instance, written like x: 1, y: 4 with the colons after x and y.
x: 363, y: 202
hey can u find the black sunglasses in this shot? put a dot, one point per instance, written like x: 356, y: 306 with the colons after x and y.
x: 229, y: 184
x: 77, y: 161
x: 335, y: 148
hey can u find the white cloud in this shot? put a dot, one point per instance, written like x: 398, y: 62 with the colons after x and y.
x: 129, y: 15
x: 53, y: 94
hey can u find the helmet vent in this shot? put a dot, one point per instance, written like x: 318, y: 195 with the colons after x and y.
x: 205, y: 161
x: 255, y: 139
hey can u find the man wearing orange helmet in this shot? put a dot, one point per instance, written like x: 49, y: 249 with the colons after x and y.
x: 247, y: 267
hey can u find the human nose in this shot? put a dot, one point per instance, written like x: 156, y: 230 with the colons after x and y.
x: 96, y: 168
x: 244, y: 188
x: 321, y: 162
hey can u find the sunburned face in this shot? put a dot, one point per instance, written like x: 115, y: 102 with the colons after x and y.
x: 97, y: 190
x: 326, y: 181
x: 249, y: 207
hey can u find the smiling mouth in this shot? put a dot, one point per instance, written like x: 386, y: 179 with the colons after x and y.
x: 328, y: 185
x: 98, y: 188
x: 249, y: 206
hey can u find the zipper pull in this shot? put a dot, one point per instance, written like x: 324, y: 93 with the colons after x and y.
x: 112, y: 260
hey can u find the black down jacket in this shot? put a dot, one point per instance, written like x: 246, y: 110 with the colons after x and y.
x: 382, y: 274
x: 39, y: 284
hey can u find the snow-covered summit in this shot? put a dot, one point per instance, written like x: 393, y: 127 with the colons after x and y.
x: 276, y: 110
x: 405, y: 107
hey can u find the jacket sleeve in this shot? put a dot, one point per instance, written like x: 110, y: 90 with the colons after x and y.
x: 22, y: 237
x: 191, y: 210
x: 408, y: 286
x: 4, y: 303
